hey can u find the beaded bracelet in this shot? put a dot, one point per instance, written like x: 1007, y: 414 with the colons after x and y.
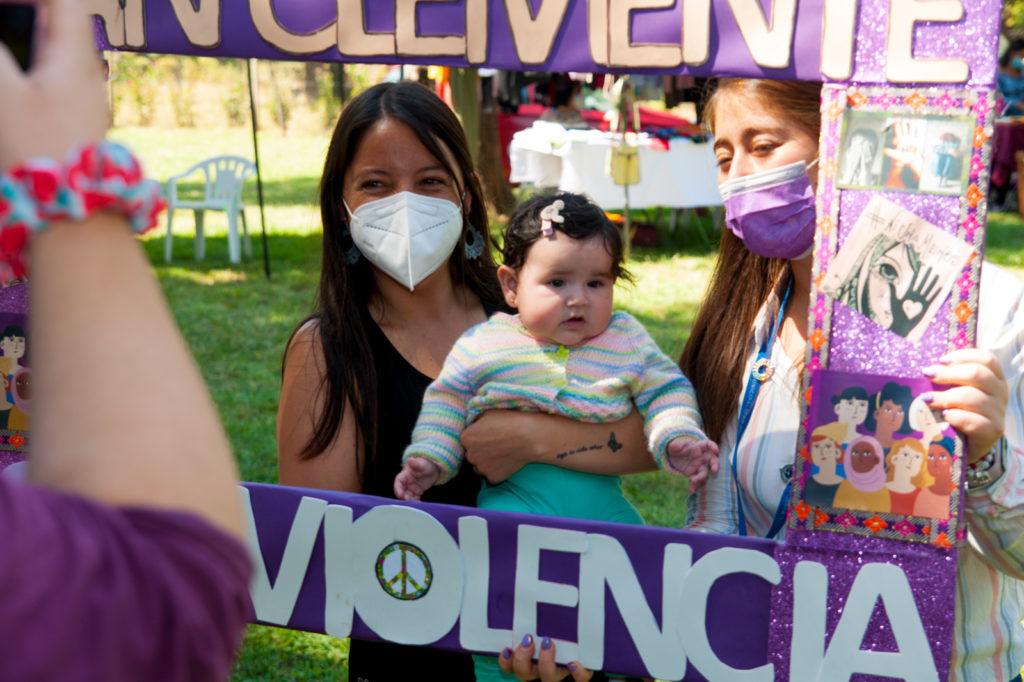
x: 102, y: 176
x: 979, y: 474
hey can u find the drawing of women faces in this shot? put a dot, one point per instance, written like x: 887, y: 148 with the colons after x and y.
x: 934, y: 501
x: 851, y: 409
x: 887, y: 413
x: 906, y: 475
x: 921, y: 418
x: 22, y: 389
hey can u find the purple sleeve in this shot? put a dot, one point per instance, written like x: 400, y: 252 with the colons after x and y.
x: 89, y: 592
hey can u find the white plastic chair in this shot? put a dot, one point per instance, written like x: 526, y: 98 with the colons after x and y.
x: 224, y: 176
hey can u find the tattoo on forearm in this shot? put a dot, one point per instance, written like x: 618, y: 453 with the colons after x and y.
x: 582, y: 448
x: 612, y: 444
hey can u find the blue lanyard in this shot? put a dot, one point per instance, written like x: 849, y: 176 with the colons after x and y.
x: 761, y: 372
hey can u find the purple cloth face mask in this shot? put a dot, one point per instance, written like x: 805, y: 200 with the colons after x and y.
x: 772, y: 211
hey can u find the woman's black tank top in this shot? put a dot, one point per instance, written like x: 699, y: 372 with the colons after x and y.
x: 400, y: 388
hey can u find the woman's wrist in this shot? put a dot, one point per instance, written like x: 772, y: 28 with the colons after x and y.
x: 103, y: 176
x: 987, y: 468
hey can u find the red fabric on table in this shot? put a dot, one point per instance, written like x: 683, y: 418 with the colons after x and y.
x: 1007, y: 140
x: 510, y: 124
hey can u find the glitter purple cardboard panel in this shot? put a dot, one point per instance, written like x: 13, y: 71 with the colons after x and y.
x: 781, y: 40
x: 973, y: 37
x: 925, y: 233
x: 927, y: 573
x: 886, y: 169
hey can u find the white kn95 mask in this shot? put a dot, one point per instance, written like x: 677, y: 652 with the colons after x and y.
x: 407, y: 235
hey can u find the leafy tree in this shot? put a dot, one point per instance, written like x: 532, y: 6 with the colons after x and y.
x: 1013, y: 16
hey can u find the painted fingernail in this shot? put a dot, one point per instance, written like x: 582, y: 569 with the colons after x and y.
x: 928, y: 397
x: 945, y: 413
x: 527, y: 641
x: 545, y: 643
x: 572, y: 667
x: 929, y: 371
x: 506, y: 653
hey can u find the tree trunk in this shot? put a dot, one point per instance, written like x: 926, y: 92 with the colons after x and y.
x: 280, y: 108
x: 492, y: 172
x: 309, y: 84
x: 466, y: 101
x: 341, y: 88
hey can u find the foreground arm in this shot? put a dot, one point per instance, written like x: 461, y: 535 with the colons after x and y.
x: 133, y: 569
x: 116, y: 385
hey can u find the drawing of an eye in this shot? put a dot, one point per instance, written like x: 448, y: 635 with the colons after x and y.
x: 888, y: 271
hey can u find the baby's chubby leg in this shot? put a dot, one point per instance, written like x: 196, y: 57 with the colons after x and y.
x: 415, y: 478
x: 695, y: 458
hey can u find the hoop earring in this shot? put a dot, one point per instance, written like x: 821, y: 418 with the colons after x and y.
x: 352, y: 254
x: 473, y: 243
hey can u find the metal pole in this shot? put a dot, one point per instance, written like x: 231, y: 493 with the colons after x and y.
x: 259, y: 178
x: 626, y: 228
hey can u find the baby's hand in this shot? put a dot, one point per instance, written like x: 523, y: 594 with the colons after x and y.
x: 415, y: 478
x: 695, y: 458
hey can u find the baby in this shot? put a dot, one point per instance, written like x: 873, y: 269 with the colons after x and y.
x: 565, y: 353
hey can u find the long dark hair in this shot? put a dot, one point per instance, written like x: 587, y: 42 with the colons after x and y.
x: 342, y: 313
x: 715, y: 355
x: 582, y: 219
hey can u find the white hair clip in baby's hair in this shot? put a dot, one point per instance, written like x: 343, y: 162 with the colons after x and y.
x: 549, y: 214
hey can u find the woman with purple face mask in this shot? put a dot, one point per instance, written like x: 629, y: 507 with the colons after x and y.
x: 755, y: 316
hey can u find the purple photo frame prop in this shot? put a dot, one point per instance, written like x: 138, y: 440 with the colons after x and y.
x: 893, y: 57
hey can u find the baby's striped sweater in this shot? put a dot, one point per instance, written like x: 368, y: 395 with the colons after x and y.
x: 498, y: 365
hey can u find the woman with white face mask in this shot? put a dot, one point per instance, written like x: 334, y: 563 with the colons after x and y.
x: 766, y: 142
x: 407, y: 268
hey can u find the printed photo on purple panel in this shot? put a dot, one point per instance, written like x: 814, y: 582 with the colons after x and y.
x: 924, y: 154
x: 876, y: 446
x: 895, y: 268
x: 860, y: 154
x: 947, y: 156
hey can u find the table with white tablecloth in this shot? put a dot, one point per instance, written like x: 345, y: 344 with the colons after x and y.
x: 682, y: 176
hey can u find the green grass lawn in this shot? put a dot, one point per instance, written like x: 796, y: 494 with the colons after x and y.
x: 237, y: 321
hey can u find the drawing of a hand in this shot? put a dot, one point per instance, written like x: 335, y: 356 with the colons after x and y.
x: 908, y: 310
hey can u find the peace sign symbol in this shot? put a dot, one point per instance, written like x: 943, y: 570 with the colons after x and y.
x: 403, y: 571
